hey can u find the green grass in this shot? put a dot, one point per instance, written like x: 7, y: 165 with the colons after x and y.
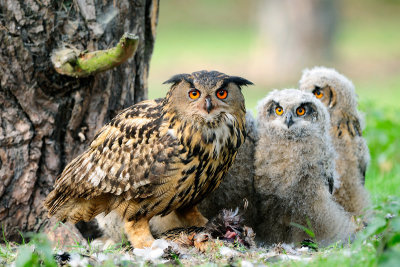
x: 383, y: 92
x: 369, y: 28
x: 382, y: 134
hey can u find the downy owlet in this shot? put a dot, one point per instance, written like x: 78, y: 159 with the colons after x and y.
x: 295, y: 171
x: 337, y: 93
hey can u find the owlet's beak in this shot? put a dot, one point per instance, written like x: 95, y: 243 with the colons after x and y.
x: 208, y: 106
x: 289, y: 119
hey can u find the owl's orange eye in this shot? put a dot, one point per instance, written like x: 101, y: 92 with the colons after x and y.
x: 222, y: 94
x: 300, y: 111
x: 279, y: 111
x: 318, y: 93
x: 194, y: 94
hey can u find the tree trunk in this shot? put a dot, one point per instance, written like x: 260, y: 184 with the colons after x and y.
x: 47, y: 118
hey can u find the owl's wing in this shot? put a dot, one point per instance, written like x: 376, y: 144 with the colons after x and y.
x: 128, y: 157
x: 349, y: 124
x: 352, y: 125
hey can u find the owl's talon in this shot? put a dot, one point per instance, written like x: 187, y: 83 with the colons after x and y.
x: 139, y: 233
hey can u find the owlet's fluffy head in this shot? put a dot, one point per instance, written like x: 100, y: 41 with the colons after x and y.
x: 292, y: 114
x: 331, y: 88
x: 206, y: 97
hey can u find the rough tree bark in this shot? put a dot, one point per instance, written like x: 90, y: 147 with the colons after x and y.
x: 46, y: 118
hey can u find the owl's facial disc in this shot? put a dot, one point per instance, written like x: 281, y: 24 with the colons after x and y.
x: 208, y: 98
x: 289, y: 118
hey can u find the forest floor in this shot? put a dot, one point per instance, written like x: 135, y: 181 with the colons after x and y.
x: 377, y: 244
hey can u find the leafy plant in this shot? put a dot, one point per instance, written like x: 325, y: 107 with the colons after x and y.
x: 308, y: 230
x: 310, y: 243
x: 383, y: 232
x: 37, y: 252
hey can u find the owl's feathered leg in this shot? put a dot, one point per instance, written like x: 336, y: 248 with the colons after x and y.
x: 160, y: 224
x: 181, y: 218
x: 139, y: 233
x: 191, y: 217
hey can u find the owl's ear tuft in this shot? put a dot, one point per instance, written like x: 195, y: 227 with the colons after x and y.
x: 178, y: 78
x: 239, y: 81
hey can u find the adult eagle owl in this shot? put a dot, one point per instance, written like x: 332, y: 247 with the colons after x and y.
x: 157, y: 157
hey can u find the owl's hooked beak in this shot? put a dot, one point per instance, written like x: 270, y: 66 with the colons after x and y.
x: 208, y: 106
x: 289, y: 119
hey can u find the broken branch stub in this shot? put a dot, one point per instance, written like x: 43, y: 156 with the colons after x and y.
x: 76, y: 63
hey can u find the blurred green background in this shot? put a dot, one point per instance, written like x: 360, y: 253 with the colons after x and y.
x: 270, y: 42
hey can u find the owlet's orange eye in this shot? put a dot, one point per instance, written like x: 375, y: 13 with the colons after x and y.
x: 222, y: 94
x: 318, y: 93
x: 194, y: 94
x: 301, y: 111
x: 279, y: 111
